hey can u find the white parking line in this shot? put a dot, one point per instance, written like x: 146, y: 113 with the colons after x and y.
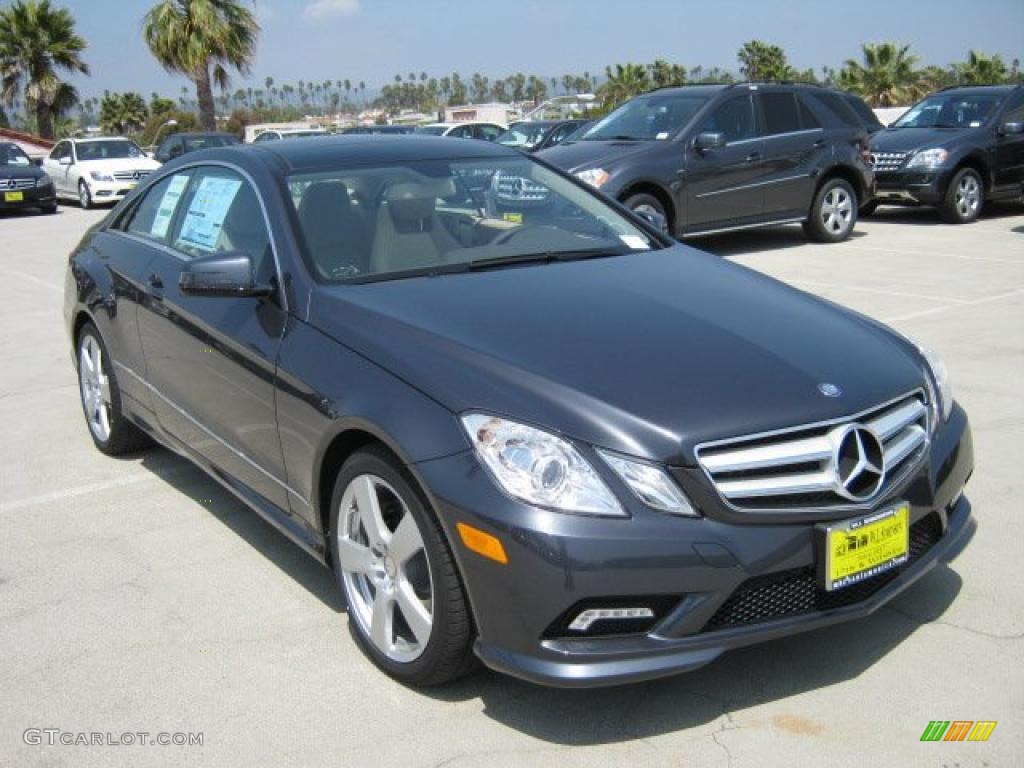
x: 36, y: 280
x: 930, y: 254
x: 89, y: 488
x: 880, y: 291
x: 939, y: 310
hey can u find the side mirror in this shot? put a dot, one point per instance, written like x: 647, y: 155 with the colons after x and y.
x: 229, y: 273
x: 1007, y: 129
x: 709, y: 140
x: 37, y: 161
x: 65, y: 161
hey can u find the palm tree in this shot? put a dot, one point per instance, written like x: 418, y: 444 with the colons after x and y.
x: 980, y: 69
x: 37, y: 42
x: 624, y: 83
x: 763, y: 61
x: 886, y: 78
x: 201, y: 39
x: 122, y: 113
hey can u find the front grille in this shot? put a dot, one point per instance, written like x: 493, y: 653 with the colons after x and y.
x: 519, y: 189
x: 886, y: 162
x: 796, y: 592
x: 797, y: 468
x: 131, y: 175
x: 8, y: 185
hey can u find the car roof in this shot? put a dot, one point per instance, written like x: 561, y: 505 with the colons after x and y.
x: 980, y: 90
x: 99, y: 138
x: 312, y: 154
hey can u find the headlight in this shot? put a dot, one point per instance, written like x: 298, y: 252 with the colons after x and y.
x: 595, y: 177
x: 538, y: 467
x: 650, y: 484
x: 940, y: 395
x: 928, y: 158
x: 100, y: 176
x: 44, y: 181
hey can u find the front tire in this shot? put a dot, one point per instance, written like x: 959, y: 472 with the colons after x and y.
x: 406, y: 606
x: 964, y: 197
x: 84, y: 196
x: 112, y: 433
x: 833, y: 213
x: 49, y: 209
x: 644, y: 203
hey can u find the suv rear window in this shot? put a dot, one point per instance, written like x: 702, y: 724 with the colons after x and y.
x: 839, y: 112
x: 780, y: 113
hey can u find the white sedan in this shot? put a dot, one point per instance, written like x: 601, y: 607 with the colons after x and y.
x: 95, y: 171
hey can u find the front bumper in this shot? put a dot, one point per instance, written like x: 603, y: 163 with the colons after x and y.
x: 558, y: 561
x: 924, y: 187
x: 34, y: 197
x: 109, y: 191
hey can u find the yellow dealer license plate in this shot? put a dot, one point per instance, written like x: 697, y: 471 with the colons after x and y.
x: 13, y: 197
x: 856, y: 550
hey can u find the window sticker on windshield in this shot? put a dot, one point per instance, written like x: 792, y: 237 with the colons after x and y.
x: 975, y: 124
x: 662, y: 136
x: 168, y: 204
x: 206, y: 212
x: 635, y: 241
x: 513, y: 217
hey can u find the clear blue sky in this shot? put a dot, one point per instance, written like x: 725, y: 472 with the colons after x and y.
x: 372, y: 40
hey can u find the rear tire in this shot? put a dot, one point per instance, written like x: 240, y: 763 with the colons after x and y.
x: 112, y: 433
x: 646, y: 202
x: 964, y: 197
x: 833, y: 213
x: 407, y: 612
x: 49, y: 209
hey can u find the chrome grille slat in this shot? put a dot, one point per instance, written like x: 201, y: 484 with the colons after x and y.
x: 888, y: 161
x: 131, y: 175
x: 6, y: 185
x: 795, y: 469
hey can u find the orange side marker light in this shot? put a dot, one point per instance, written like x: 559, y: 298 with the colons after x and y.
x: 482, y: 543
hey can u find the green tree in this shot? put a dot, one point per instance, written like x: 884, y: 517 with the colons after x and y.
x: 980, y: 69
x: 760, y: 61
x: 886, y: 77
x: 663, y: 74
x: 158, y: 105
x: 625, y: 82
x: 37, y: 42
x: 201, y: 39
x: 123, y: 113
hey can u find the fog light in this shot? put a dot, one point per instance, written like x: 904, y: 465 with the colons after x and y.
x: 586, y: 618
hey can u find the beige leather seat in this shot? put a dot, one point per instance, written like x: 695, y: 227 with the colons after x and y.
x: 409, y: 234
x: 334, y: 232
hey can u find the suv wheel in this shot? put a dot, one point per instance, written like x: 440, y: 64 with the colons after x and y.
x: 649, y: 204
x: 964, y: 197
x: 406, y: 606
x: 833, y: 212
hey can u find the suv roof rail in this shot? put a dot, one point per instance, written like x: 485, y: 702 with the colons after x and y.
x: 780, y: 82
x: 979, y: 85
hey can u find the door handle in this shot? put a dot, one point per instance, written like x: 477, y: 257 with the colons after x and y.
x: 752, y: 157
x: 156, y: 285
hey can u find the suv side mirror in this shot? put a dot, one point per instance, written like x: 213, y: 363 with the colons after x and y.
x: 229, y: 273
x: 65, y: 160
x: 1007, y: 129
x: 709, y: 140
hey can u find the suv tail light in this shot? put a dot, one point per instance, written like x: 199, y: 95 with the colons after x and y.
x: 865, y: 152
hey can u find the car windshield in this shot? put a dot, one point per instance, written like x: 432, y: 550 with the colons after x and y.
x: 657, y: 116
x: 951, y: 110
x: 454, y: 215
x: 523, y: 135
x: 114, y: 149
x: 12, y: 154
x: 432, y: 130
x: 194, y: 143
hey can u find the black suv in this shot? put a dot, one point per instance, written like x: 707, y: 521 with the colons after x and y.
x: 954, y: 150
x: 709, y: 158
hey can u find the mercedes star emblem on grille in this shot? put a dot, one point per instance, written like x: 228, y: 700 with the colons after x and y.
x: 859, y: 462
x: 829, y: 390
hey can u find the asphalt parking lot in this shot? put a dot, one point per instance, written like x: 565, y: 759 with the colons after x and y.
x: 137, y: 595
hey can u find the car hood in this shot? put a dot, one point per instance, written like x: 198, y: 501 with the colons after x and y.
x: 648, y: 354
x: 578, y: 155
x: 20, y: 172
x: 121, y: 164
x: 909, y: 139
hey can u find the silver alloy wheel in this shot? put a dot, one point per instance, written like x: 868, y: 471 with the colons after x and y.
x: 95, y: 388
x: 384, y: 569
x: 83, y: 195
x: 968, y: 196
x: 837, y: 210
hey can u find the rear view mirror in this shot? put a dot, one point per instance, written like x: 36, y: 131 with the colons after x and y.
x: 1011, y: 128
x: 708, y: 140
x: 229, y: 273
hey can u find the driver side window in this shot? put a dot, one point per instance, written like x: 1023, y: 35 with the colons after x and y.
x: 734, y: 118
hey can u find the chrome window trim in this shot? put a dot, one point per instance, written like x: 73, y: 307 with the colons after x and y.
x: 893, y: 487
x: 155, y: 179
x: 769, y: 136
x: 212, y: 434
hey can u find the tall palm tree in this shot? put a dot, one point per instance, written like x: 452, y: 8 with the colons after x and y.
x: 36, y: 43
x: 886, y: 77
x: 624, y: 83
x: 980, y: 69
x: 201, y: 39
x: 123, y: 113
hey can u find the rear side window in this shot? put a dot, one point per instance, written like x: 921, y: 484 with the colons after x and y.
x: 807, y: 118
x: 1014, y: 109
x: 836, y: 109
x: 780, y: 113
x: 863, y: 111
x: 734, y: 118
x: 152, y: 217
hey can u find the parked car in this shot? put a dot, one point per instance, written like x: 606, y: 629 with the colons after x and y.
x: 276, y: 134
x: 484, y: 131
x: 535, y: 135
x: 410, y: 380
x: 710, y: 158
x: 178, y: 144
x: 100, y: 170
x: 378, y: 129
x: 954, y: 150
x: 22, y: 183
